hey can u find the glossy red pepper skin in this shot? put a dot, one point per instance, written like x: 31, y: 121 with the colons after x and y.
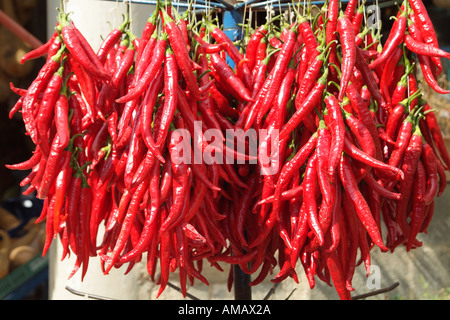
x: 347, y: 36
x: 358, y: 201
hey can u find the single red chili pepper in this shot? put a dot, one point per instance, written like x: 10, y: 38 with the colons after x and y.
x: 29, y: 163
x: 206, y: 47
x: 40, y: 51
x: 285, y: 195
x: 438, y: 139
x: 310, y: 102
x: 425, y: 66
x: 164, y: 256
x: 62, y: 119
x: 51, y: 168
x: 351, y: 8
x: 282, y: 63
x: 395, y: 38
x: 309, y: 38
x: 84, y: 44
x: 347, y: 36
x: 309, y: 197
x: 357, y: 19
x: 360, y: 132
x: 337, y: 129
x: 141, y: 83
x: 259, y: 73
x: 253, y: 43
x: 418, y: 211
x: 426, y: 26
x: 337, y: 275
x: 429, y: 160
x: 331, y: 26
x: 442, y: 178
x: 352, y: 229
x: 110, y: 40
x: 358, y: 202
x: 71, y: 209
x: 147, y: 32
x: 312, y: 73
x: 424, y: 48
x: 369, y: 79
x: 403, y: 138
x: 17, y: 106
x: 388, y: 71
x: 49, y: 230
x: 359, y: 155
x: 100, y: 206
x: 145, y: 57
x: 170, y: 98
x: 412, y: 89
x: 226, y: 73
x: 379, y: 189
x: 147, y: 113
x: 409, y: 167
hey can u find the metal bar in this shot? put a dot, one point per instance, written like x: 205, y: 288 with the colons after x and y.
x: 87, y: 295
x: 242, y: 289
x: 197, y: 5
x: 284, y: 4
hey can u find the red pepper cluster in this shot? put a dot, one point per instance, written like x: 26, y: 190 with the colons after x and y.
x: 361, y: 155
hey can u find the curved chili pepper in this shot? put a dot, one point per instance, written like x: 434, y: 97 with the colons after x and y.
x: 347, y: 36
x: 40, y: 51
x: 110, y: 40
x: 310, y: 102
x: 226, y: 73
x: 358, y: 202
x: 409, y: 167
x: 426, y: 26
x: 369, y: 78
x: 418, y: 211
x: 253, y: 43
x: 357, y: 154
x: 431, y: 120
x: 337, y: 129
x: 430, y: 163
x: 149, y: 102
x: 51, y: 169
x: 309, y: 197
x: 141, y: 83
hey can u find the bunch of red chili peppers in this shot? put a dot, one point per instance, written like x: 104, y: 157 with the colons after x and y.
x: 361, y: 157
